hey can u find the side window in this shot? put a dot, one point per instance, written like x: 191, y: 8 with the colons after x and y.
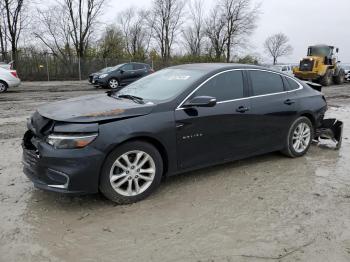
x: 226, y: 86
x: 266, y: 83
x: 292, y: 84
x: 128, y: 67
x: 139, y: 66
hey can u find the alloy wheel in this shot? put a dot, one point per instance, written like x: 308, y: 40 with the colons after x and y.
x: 132, y: 173
x: 301, y: 137
x: 113, y: 83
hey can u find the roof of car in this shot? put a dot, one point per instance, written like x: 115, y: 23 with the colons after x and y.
x: 216, y: 66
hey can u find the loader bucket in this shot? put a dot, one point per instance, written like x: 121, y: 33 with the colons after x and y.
x: 331, y: 129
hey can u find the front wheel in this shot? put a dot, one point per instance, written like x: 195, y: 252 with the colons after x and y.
x: 299, y: 137
x: 113, y: 83
x: 131, y: 172
x: 326, y: 80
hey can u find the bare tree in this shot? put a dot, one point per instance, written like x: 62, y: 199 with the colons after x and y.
x: 166, y: 19
x: 136, y: 34
x: 15, y: 22
x: 54, y: 32
x: 240, y: 19
x: 193, y: 34
x: 82, y: 18
x: 277, y: 46
x: 215, y: 31
x: 3, y: 33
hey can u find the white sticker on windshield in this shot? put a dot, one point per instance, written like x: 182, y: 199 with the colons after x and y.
x: 179, y: 77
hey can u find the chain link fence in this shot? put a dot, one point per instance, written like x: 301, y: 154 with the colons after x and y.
x: 50, y: 68
x: 47, y: 67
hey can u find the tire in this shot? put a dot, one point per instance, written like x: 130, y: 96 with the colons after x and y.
x: 113, y: 83
x: 112, y: 174
x: 291, y: 148
x: 340, y: 78
x: 326, y: 80
x: 3, y: 86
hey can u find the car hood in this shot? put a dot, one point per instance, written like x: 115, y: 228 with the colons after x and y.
x: 94, y: 108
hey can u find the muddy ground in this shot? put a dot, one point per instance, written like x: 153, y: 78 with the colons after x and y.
x: 267, y: 208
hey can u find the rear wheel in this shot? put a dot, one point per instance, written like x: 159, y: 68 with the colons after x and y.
x: 326, y: 80
x: 113, y: 83
x: 299, y: 137
x: 3, y: 86
x: 131, y: 172
x: 340, y: 78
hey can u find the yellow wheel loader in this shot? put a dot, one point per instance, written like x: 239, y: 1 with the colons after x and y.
x: 321, y: 66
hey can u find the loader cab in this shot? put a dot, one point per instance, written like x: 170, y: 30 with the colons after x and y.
x: 323, y: 51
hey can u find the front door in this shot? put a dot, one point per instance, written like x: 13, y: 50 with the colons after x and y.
x: 214, y: 134
x: 128, y: 74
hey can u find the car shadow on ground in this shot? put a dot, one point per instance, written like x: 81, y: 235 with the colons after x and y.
x: 54, y: 200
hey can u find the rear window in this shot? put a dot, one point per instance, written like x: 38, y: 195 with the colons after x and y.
x: 266, y: 83
x: 292, y: 84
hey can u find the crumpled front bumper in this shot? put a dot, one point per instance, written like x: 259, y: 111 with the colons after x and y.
x: 330, y: 129
x: 71, y: 171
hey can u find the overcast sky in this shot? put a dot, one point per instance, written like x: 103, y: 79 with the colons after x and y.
x: 305, y: 22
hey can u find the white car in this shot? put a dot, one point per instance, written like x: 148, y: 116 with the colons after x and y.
x: 287, y: 69
x: 347, y: 72
x: 8, y: 78
x: 6, y: 66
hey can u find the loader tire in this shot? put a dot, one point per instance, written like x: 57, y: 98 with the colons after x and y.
x: 326, y: 80
x: 340, y: 78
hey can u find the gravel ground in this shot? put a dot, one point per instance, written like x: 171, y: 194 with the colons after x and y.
x: 267, y: 208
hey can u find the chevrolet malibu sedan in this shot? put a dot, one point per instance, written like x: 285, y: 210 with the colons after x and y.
x: 181, y: 118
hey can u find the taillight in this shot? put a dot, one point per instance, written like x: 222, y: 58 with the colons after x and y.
x: 14, y: 73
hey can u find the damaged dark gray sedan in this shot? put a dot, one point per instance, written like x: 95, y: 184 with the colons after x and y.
x: 181, y: 118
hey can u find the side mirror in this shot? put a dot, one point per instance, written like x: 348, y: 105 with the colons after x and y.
x: 201, y: 101
x: 121, y: 71
x: 337, y: 50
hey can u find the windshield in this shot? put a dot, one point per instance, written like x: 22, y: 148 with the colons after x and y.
x: 320, y: 51
x: 162, y: 85
x: 104, y: 70
x: 277, y: 68
x: 110, y: 69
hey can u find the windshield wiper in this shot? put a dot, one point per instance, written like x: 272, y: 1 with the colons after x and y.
x: 136, y: 99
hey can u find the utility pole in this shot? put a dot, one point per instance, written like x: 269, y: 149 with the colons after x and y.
x: 79, y: 67
x: 47, y: 66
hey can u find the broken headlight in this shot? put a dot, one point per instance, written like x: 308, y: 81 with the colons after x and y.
x: 64, y: 141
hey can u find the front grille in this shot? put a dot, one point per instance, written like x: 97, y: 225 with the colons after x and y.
x: 306, y: 65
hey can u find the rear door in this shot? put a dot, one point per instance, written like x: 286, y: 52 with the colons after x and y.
x: 140, y: 70
x: 273, y: 110
x: 209, y: 135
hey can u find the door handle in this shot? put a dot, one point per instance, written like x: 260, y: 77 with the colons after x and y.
x: 242, y: 109
x: 289, y: 102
